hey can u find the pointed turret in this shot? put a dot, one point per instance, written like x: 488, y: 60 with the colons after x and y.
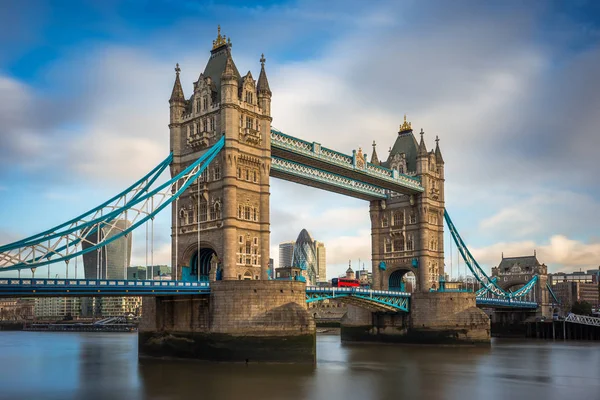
x: 230, y: 70
x: 422, y: 152
x: 438, y: 154
x: 262, y: 88
x: 263, y: 83
x: 177, y: 93
x: 374, y: 158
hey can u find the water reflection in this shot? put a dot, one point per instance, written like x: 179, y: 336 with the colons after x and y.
x: 43, y: 365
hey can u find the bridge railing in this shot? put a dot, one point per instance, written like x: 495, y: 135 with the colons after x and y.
x: 101, y: 283
x: 353, y: 290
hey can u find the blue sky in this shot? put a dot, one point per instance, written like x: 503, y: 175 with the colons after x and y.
x: 510, y: 87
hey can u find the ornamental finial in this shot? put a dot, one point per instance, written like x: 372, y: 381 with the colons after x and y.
x: 262, y: 60
x: 437, y: 140
x: 220, y: 40
x: 177, y: 69
x: 374, y: 144
x: 406, y: 126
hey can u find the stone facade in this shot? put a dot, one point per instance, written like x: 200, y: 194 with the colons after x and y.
x: 240, y: 321
x: 407, y: 232
x: 514, y: 272
x: 435, y: 318
x: 222, y: 220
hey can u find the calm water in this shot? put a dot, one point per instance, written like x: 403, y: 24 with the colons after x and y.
x: 43, y: 365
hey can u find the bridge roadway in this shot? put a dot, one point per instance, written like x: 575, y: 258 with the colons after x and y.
x: 377, y: 300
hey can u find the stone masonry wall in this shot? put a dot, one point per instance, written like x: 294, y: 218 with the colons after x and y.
x: 453, y: 316
x: 260, y: 308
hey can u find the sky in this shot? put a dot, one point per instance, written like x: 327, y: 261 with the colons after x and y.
x: 510, y: 87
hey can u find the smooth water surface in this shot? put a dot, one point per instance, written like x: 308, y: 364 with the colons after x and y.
x: 61, y: 365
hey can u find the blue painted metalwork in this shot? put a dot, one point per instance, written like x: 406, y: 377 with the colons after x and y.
x: 380, y: 299
x: 188, y: 175
x: 316, y: 151
x: 329, y: 178
x: 505, y: 303
x: 490, y: 284
x: 552, y: 293
x: 382, y: 265
x: 10, y: 287
x: 142, y: 184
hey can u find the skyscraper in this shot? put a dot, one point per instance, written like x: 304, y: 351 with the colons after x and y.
x: 286, y: 252
x: 321, y: 262
x: 111, y: 260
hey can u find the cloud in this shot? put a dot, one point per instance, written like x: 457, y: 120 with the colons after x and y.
x: 516, y: 117
x: 560, y: 253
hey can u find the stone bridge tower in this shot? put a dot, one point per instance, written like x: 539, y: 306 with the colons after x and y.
x: 408, y: 231
x: 514, y: 272
x: 220, y: 225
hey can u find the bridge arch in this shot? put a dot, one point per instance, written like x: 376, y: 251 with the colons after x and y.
x: 396, y: 280
x: 202, y: 264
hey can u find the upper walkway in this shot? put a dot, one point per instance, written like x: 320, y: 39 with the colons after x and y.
x: 313, y: 165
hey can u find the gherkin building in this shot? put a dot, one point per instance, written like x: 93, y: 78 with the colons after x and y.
x: 305, y: 256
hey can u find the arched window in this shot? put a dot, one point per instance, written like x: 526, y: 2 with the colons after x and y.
x: 203, y: 210
x: 399, y: 244
x: 398, y: 218
x: 217, y: 172
x: 255, y: 214
x: 218, y: 210
x: 387, y: 246
x: 213, y: 212
x: 413, y: 218
x: 410, y: 243
x: 384, y: 221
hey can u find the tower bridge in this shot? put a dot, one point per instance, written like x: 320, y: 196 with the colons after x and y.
x: 221, y: 303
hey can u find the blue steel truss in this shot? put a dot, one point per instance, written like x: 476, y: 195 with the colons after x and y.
x: 311, y: 174
x: 10, y: 287
x: 314, y: 151
x: 62, y: 243
x: 490, y: 285
x: 379, y: 299
x: 490, y: 302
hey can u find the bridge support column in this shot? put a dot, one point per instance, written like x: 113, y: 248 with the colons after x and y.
x: 435, y: 318
x: 239, y: 321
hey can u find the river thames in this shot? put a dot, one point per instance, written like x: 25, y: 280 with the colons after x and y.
x: 44, y: 365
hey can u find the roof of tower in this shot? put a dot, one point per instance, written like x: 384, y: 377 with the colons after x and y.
x: 177, y: 93
x: 438, y: 153
x: 407, y: 144
x: 349, y: 270
x: 304, y: 237
x: 263, y: 83
x: 220, y: 55
x: 374, y: 158
x: 522, y: 261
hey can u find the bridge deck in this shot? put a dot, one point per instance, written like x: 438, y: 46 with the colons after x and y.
x: 97, y: 287
x: 382, y: 299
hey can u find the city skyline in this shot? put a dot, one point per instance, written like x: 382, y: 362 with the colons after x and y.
x: 523, y: 184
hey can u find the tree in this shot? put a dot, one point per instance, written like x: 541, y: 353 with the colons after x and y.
x: 581, y: 308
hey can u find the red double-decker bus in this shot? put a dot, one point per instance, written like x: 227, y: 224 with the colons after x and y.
x: 344, y: 282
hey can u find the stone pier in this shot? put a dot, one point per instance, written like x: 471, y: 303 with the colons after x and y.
x: 239, y: 321
x: 435, y: 318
